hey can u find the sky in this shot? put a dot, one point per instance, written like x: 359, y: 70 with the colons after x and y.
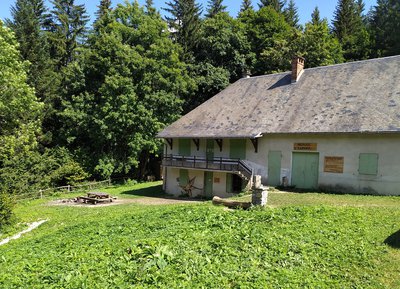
x: 305, y: 7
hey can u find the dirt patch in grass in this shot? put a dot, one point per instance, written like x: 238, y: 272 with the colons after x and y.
x: 122, y: 201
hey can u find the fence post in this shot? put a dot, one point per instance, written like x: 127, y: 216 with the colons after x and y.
x: 41, y: 194
x: 69, y: 188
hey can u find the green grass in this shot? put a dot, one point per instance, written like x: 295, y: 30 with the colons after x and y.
x: 289, y: 245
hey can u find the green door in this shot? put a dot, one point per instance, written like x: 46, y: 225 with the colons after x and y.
x: 305, y: 170
x: 184, y: 147
x: 237, y: 149
x: 183, y: 177
x: 208, y: 184
x: 274, y: 168
x: 229, y: 188
x: 210, y: 149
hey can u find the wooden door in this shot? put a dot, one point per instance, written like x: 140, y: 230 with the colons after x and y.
x: 237, y: 149
x: 208, y: 184
x: 305, y: 170
x: 184, y: 147
x: 274, y: 168
x: 210, y: 149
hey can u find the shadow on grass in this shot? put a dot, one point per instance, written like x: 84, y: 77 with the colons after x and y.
x: 153, y: 191
x: 393, y: 240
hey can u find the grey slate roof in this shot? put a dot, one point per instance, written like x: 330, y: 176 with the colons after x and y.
x: 362, y: 96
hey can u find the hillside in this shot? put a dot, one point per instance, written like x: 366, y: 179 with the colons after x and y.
x: 298, y: 241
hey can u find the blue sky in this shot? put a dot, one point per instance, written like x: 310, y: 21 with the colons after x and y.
x: 305, y: 6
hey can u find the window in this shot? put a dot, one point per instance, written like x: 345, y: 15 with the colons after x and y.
x: 368, y: 164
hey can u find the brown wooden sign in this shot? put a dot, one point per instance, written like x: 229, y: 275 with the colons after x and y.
x: 333, y: 164
x: 305, y: 147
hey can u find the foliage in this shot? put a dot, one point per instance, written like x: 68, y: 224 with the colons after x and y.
x: 350, y: 29
x: 209, y: 81
x: 385, y: 28
x: 223, y: 44
x: 35, y: 171
x: 123, y: 89
x: 246, y: 5
x: 178, y: 246
x: 277, y: 5
x: 6, y: 210
x: 270, y: 38
x: 215, y: 7
x: 291, y: 14
x: 67, y: 28
x: 184, y: 22
x: 20, y: 111
x: 318, y: 46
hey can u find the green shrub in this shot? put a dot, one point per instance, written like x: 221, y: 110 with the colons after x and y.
x: 6, y: 210
x: 33, y: 171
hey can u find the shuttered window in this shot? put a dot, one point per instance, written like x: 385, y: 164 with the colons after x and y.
x: 368, y: 164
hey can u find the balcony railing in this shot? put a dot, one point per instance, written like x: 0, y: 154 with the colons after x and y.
x: 215, y: 164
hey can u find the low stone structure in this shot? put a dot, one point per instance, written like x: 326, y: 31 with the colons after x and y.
x: 260, y: 193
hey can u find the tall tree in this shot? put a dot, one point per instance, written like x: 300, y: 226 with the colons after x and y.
x: 385, y: 27
x: 124, y: 87
x: 215, y: 7
x: 102, y: 15
x: 246, y: 5
x: 276, y: 4
x: 20, y: 111
x: 67, y: 30
x: 315, y: 17
x: 103, y: 8
x: 184, y: 23
x: 291, y: 14
x: 28, y: 18
x: 318, y: 45
x: 223, y: 43
x: 270, y: 37
x: 350, y: 29
x: 150, y: 9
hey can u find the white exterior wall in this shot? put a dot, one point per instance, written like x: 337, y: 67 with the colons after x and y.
x: 386, y: 182
x: 387, y: 146
x: 171, y: 184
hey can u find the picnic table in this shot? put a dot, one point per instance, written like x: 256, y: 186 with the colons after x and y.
x: 96, y: 197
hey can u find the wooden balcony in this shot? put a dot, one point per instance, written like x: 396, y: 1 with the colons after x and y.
x: 235, y: 166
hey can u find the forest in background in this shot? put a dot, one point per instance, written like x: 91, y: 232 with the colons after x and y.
x: 80, y: 101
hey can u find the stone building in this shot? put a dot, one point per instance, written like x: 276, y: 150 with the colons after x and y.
x: 334, y: 128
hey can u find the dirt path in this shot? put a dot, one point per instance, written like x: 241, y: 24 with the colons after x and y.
x: 31, y: 227
x: 142, y: 201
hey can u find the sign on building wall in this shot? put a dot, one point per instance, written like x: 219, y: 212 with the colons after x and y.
x: 333, y: 165
x: 305, y: 147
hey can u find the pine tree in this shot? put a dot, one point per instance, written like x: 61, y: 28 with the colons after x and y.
x: 315, y: 17
x: 67, y: 30
x: 102, y: 15
x: 291, y: 14
x: 28, y: 18
x: 184, y: 23
x: 246, y: 5
x: 103, y: 8
x: 350, y: 29
x: 318, y: 45
x: 385, y: 28
x: 150, y: 7
x: 215, y: 7
x: 276, y: 4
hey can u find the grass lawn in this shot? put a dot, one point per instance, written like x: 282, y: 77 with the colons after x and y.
x: 299, y: 241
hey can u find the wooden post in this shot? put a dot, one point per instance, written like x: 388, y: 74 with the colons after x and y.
x: 41, y: 194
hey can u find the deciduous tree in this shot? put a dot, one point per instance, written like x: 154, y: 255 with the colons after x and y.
x: 124, y: 88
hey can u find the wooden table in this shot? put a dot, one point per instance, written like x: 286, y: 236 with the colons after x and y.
x: 96, y: 197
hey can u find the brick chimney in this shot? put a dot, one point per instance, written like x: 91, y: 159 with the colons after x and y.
x: 297, y: 68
